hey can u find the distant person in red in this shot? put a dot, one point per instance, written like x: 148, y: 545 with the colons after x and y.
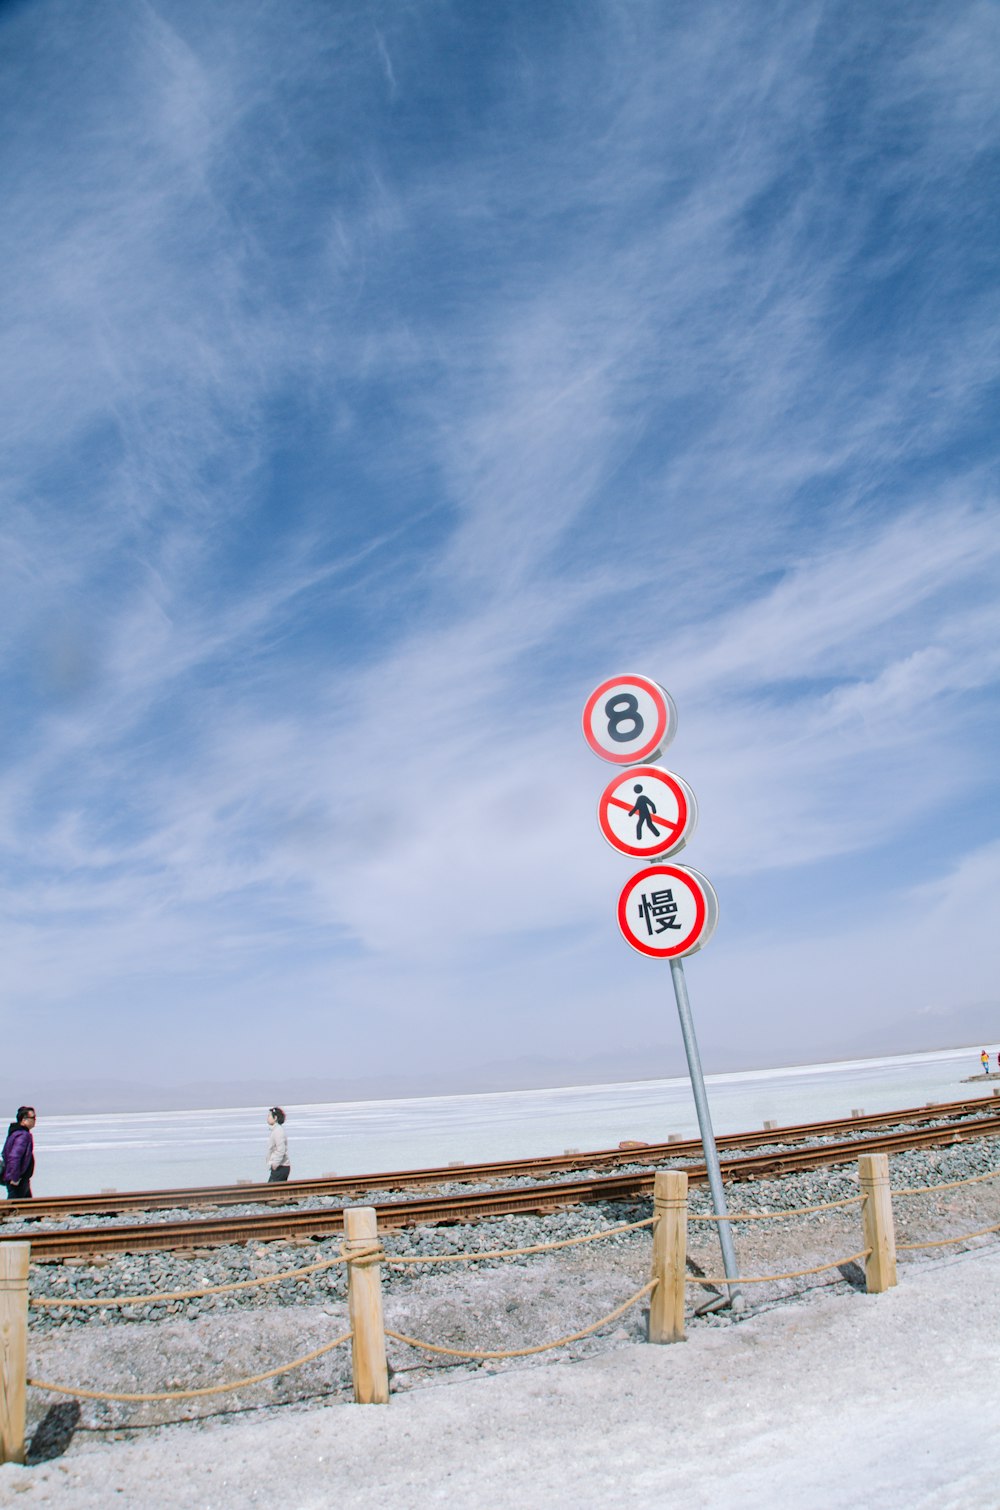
x: 984, y: 1060
x: 18, y: 1157
x: 998, y: 1063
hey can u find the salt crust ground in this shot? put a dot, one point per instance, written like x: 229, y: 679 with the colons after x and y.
x: 832, y: 1401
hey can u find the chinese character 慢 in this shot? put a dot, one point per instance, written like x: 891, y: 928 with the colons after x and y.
x: 661, y: 909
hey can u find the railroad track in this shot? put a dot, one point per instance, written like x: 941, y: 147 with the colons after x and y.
x: 111, y: 1202
x: 472, y: 1205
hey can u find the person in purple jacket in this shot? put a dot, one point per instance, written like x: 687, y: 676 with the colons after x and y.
x: 18, y: 1155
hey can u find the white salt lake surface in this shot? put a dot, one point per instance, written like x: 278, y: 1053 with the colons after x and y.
x: 160, y: 1150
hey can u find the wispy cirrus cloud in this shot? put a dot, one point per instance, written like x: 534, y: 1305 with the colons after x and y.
x: 367, y: 410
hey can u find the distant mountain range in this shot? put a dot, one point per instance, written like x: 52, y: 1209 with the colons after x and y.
x: 975, y: 1025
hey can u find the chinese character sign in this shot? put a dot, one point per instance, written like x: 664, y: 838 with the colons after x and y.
x: 659, y: 908
x: 667, y: 911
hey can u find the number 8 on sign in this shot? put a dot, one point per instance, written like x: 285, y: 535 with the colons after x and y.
x: 629, y: 719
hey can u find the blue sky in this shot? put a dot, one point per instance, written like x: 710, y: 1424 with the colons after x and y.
x: 378, y: 379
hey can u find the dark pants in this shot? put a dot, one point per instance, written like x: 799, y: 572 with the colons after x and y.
x: 281, y: 1173
x: 21, y: 1191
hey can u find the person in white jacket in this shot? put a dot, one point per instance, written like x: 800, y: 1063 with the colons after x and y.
x: 277, y: 1149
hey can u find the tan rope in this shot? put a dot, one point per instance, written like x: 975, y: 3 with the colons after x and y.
x: 973, y: 1179
x: 363, y: 1256
x: 239, y: 1284
x: 189, y: 1394
x: 943, y: 1242
x: 764, y: 1279
x: 468, y: 1258
x: 524, y: 1352
x: 764, y: 1216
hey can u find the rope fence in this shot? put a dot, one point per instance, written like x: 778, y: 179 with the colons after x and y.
x: 565, y: 1242
x: 946, y: 1242
x: 767, y: 1216
x: 191, y: 1394
x: 526, y: 1352
x: 168, y: 1295
x: 963, y: 1237
x: 766, y: 1279
x: 972, y: 1179
x: 363, y: 1254
x: 375, y: 1254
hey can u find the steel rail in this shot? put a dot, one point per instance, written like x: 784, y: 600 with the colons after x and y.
x: 108, y: 1202
x: 472, y: 1205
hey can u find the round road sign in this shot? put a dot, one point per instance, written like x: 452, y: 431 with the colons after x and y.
x: 647, y: 812
x: 667, y: 911
x: 629, y: 719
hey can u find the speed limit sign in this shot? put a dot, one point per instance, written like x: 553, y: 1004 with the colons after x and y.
x: 629, y: 719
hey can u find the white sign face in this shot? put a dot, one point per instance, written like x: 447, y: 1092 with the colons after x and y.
x: 647, y: 812
x: 667, y: 911
x: 629, y: 719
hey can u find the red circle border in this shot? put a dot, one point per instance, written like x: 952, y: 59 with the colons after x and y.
x: 686, y: 946
x: 655, y: 691
x: 677, y: 829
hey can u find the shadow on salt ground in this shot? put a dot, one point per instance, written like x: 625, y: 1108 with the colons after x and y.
x: 855, y: 1276
x: 54, y: 1432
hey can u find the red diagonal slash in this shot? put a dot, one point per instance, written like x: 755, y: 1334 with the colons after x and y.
x: 628, y: 808
x: 665, y: 825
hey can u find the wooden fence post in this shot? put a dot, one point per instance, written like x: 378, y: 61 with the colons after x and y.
x: 14, y: 1260
x: 666, y: 1306
x: 364, y: 1305
x: 879, y: 1228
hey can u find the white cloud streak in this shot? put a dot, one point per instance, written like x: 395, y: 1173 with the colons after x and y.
x: 623, y: 426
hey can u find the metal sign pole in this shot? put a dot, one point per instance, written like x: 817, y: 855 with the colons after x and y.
x: 705, y: 1128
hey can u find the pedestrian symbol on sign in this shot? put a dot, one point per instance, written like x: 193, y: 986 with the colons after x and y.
x: 647, y: 812
x: 644, y: 807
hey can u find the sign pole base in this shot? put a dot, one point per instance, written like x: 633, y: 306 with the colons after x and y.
x: 707, y: 1135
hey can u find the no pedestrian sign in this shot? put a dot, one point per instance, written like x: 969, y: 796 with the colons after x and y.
x: 667, y: 911
x: 629, y: 719
x: 647, y: 812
